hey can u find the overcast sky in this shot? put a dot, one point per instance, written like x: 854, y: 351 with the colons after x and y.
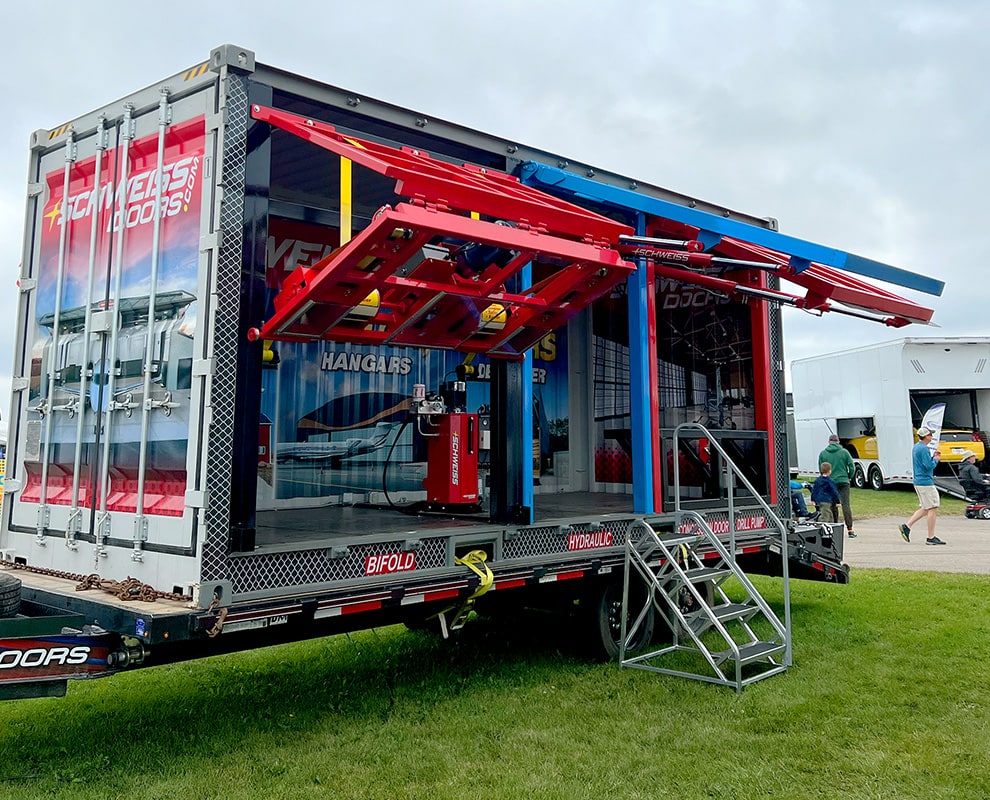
x: 859, y: 125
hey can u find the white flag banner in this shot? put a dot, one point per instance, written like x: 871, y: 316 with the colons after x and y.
x: 933, y: 421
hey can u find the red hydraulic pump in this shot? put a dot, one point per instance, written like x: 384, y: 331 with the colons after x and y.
x: 452, y: 446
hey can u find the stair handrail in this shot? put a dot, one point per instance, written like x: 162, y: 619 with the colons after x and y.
x: 771, y: 515
x: 671, y: 560
x: 741, y: 576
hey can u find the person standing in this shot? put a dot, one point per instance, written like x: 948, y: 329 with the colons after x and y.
x: 825, y: 494
x: 924, y: 464
x: 843, y: 470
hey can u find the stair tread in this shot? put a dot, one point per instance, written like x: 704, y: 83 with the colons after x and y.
x: 733, y: 610
x: 698, y: 574
x: 753, y: 651
x: 679, y: 538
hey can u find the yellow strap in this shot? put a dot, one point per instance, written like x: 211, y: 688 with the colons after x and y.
x: 472, y: 561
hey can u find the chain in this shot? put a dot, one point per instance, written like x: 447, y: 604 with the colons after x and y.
x: 127, y: 589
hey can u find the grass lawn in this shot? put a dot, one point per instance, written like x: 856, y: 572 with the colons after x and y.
x: 894, y: 501
x: 888, y: 698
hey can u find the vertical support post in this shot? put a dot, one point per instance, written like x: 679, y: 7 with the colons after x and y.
x: 74, y: 524
x: 108, y: 404
x: 43, y: 510
x: 247, y: 402
x: 346, y: 202
x: 508, y: 447
x: 526, y: 276
x: 140, y: 521
x: 762, y: 389
x: 642, y: 423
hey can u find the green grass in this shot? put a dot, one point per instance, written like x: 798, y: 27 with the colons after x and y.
x: 888, y: 698
x: 894, y: 501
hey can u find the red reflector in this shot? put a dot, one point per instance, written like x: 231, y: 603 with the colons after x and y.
x: 566, y: 576
x: 819, y: 567
x: 513, y: 584
x: 443, y: 595
x: 357, y: 608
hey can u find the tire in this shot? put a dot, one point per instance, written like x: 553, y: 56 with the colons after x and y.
x: 876, y: 478
x: 984, y: 512
x: 688, y: 604
x: 10, y: 594
x: 859, y: 478
x: 605, y: 606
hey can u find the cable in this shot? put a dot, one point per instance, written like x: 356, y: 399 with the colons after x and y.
x: 407, y: 509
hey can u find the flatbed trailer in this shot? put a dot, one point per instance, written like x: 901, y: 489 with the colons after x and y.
x: 291, y: 361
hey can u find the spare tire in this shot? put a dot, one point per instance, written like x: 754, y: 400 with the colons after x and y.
x: 10, y: 594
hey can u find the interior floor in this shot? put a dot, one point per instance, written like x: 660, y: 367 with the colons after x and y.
x: 297, y: 525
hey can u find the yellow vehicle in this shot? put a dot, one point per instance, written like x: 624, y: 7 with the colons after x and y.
x: 862, y: 446
x: 952, y: 444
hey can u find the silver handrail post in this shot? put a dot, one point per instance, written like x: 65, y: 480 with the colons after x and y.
x: 772, y: 515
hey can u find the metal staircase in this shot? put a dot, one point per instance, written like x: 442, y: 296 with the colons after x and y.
x: 722, y: 629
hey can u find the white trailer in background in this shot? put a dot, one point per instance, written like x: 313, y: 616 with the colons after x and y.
x: 874, y: 398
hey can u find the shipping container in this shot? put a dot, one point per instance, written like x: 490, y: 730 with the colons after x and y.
x: 293, y: 361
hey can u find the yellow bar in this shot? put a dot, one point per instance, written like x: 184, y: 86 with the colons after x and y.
x: 345, y: 200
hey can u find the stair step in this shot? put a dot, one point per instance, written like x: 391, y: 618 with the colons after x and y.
x: 674, y: 539
x: 731, y: 611
x: 701, y: 574
x: 752, y: 652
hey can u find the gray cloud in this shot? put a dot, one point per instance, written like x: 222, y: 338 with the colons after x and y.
x: 860, y: 125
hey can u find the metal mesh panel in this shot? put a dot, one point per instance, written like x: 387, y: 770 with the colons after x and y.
x: 779, y: 410
x: 228, y: 289
x: 253, y: 573
x: 549, y: 540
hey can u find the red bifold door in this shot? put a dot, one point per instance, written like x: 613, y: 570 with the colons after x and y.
x: 442, y: 269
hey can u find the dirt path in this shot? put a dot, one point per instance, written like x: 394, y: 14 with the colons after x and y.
x: 879, y: 544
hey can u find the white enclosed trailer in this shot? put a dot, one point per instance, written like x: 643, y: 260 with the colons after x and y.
x: 874, y: 398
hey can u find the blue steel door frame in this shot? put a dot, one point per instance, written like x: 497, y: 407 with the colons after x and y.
x: 642, y: 410
x: 802, y: 252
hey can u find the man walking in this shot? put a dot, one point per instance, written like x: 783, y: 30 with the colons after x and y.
x: 843, y: 470
x: 924, y: 486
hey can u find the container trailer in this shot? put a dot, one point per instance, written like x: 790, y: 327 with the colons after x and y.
x: 292, y: 361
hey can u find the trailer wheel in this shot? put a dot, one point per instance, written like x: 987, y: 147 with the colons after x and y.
x: 876, y: 478
x: 10, y: 594
x: 859, y: 478
x: 605, y: 606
